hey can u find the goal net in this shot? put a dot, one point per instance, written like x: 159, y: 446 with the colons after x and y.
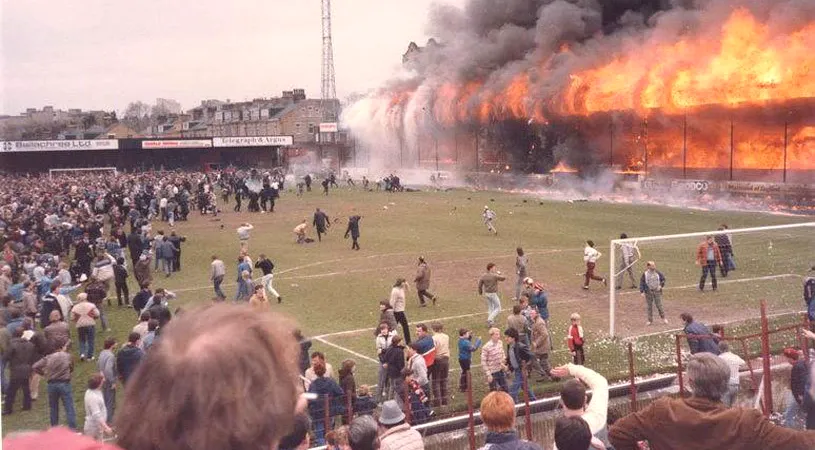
x: 79, y: 170
x: 748, y: 264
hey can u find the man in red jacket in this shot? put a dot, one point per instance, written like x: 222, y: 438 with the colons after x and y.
x: 708, y: 256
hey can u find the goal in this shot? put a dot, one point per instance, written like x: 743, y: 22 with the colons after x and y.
x: 57, y: 172
x: 766, y: 263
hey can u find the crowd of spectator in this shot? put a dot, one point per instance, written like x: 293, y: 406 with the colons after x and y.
x: 241, y: 377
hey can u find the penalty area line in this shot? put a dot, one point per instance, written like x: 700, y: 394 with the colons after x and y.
x: 740, y: 280
x: 440, y: 319
x: 339, y: 347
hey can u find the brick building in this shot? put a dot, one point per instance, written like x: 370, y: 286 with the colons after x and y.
x: 291, y: 114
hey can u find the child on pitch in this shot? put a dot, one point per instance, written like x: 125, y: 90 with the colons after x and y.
x: 466, y: 347
x: 576, y: 340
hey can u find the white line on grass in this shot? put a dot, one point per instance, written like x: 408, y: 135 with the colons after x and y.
x: 439, y: 319
x: 372, y: 269
x: 358, y: 355
x: 740, y: 280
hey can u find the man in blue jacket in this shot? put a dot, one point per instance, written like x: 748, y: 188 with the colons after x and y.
x: 700, y: 338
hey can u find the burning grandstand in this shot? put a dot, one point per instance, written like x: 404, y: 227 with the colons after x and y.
x: 717, y: 90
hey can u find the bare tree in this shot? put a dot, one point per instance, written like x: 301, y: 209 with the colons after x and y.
x: 137, y: 115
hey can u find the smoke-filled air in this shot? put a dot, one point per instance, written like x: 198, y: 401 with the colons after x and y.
x: 534, y: 83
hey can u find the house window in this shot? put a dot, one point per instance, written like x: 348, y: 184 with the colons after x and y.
x: 311, y: 128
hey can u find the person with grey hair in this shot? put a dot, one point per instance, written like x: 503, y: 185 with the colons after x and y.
x: 363, y: 434
x: 702, y: 421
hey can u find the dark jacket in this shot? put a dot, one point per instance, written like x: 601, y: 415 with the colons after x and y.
x: 49, y: 303
x: 395, y: 359
x: 696, y: 340
x: 176, y: 241
x: 320, y: 220
x: 798, y: 380
x: 522, y: 354
x: 140, y: 299
x: 265, y: 265
x: 165, y: 250
x: 96, y: 293
x: 324, y: 386
x: 120, y: 272
x: 809, y: 296
x: 19, y: 357
x: 508, y: 440
x: 83, y: 251
x: 134, y: 244
x: 683, y: 423
x: 644, y: 286
x: 127, y: 360
x: 365, y: 405
x: 353, y: 227
x: 305, y: 345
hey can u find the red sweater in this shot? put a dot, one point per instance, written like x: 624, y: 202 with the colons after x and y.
x: 575, y: 337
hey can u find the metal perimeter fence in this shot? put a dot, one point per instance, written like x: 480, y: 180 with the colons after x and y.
x: 449, y: 402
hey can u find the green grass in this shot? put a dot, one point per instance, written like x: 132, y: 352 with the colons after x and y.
x: 329, y: 288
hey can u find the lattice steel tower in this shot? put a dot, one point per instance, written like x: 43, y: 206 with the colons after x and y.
x: 329, y: 89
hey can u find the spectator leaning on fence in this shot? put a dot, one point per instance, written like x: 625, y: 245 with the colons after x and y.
x: 702, y: 421
x: 498, y: 414
x: 700, y: 339
x: 576, y: 405
x: 734, y: 362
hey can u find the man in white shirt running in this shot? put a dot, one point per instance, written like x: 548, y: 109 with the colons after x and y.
x: 590, y: 257
x: 243, y: 235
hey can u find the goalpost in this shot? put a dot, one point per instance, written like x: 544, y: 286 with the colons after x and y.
x: 770, y: 263
x: 52, y: 172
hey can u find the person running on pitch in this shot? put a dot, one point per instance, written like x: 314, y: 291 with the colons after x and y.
x: 267, y: 266
x: 590, y: 256
x: 321, y: 223
x: 489, y: 216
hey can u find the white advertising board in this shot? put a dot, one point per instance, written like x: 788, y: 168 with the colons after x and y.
x: 253, y: 141
x: 60, y: 145
x: 171, y: 143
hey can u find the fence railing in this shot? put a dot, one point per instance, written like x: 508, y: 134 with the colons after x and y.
x: 453, y: 397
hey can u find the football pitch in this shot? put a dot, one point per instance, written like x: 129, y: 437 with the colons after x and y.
x: 333, y: 292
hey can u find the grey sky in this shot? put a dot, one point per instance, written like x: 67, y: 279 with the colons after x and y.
x: 101, y: 54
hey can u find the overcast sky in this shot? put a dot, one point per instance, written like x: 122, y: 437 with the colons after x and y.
x: 102, y: 54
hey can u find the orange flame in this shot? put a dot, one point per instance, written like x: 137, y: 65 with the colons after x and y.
x: 747, y: 64
x: 741, y: 64
x: 562, y: 167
